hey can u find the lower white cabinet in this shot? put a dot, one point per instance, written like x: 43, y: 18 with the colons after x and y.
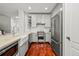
x: 48, y: 37
x: 33, y: 37
x: 23, y: 46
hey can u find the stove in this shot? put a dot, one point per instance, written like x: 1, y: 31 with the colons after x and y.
x: 41, y: 36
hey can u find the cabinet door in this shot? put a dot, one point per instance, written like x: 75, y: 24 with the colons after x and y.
x: 38, y: 18
x: 15, y: 25
x: 48, y: 37
x: 23, y: 46
x: 33, y: 21
x: 33, y: 37
x: 43, y: 18
x: 47, y: 21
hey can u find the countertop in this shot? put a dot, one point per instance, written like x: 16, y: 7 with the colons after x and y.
x: 7, y: 39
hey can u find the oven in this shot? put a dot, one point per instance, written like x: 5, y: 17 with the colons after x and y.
x: 41, y: 36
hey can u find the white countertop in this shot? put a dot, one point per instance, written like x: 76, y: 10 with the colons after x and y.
x: 8, y: 39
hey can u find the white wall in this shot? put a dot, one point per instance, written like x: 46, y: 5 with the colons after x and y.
x: 5, y: 23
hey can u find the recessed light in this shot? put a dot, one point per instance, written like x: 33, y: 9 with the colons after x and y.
x: 60, y: 9
x: 17, y: 17
x: 46, y: 8
x: 29, y: 8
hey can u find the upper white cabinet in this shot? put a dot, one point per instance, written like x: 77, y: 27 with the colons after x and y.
x: 47, y: 20
x: 40, y: 18
x: 15, y: 25
x: 33, y: 21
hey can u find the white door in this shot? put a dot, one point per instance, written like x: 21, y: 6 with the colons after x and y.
x: 71, y: 19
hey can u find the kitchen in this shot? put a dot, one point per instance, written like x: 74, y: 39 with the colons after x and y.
x: 23, y: 25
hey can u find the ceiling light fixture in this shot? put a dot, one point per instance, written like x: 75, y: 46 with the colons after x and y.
x: 17, y: 17
x: 46, y: 8
x: 29, y: 8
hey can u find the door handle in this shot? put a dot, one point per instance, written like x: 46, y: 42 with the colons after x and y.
x: 68, y: 38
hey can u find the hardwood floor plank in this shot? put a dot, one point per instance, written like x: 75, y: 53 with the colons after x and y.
x: 40, y: 49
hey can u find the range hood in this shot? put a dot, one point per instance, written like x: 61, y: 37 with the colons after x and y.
x: 40, y: 24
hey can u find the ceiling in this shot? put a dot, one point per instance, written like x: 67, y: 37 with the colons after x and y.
x: 10, y: 9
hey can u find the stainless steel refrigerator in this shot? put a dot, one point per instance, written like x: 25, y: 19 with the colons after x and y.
x: 56, y: 33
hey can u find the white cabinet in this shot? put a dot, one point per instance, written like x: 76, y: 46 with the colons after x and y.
x: 15, y: 25
x: 48, y: 37
x: 33, y: 37
x: 44, y: 19
x: 41, y: 18
x: 33, y: 21
x: 23, y: 46
x: 26, y: 24
x: 47, y: 21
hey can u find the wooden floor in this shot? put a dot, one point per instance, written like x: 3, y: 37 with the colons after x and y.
x: 40, y: 49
